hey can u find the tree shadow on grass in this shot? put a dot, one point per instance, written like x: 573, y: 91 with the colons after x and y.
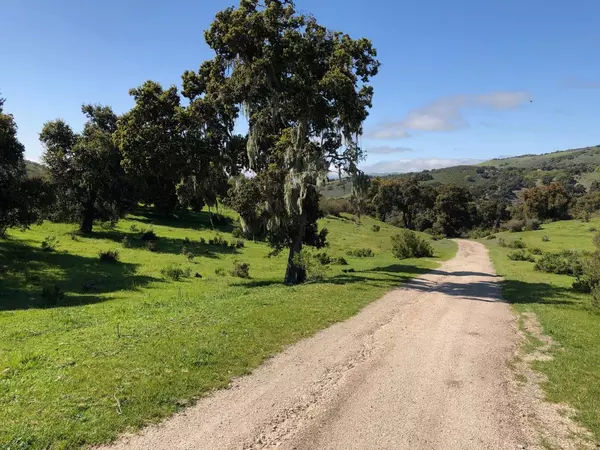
x: 69, y: 279
x: 165, y: 245
x: 185, y: 219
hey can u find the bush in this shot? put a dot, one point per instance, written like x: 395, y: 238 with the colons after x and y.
x: 126, y: 242
x: 334, y: 206
x: 592, y: 229
x: 149, y: 235
x: 314, y: 264
x: 407, y: 244
x: 545, y: 239
x: 220, y: 272
x: 532, y: 224
x: 202, y: 241
x: 188, y: 253
x: 521, y: 255
x: 175, y: 273
x: 490, y: 237
x: 240, y: 270
x: 151, y: 246
x: 52, y: 295
x: 536, y: 251
x: 361, y: 253
x: 237, y: 231
x: 218, y: 241
x: 109, y: 255
x: 515, y: 225
x: 375, y: 228
x: 501, y: 242
x: 596, y: 296
x: 237, y: 243
x: 109, y: 225
x: 516, y: 244
x: 340, y: 261
x: 133, y: 228
x: 50, y: 244
x: 567, y: 262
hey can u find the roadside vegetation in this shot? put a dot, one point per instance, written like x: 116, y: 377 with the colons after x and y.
x: 92, y: 345
x: 548, y: 283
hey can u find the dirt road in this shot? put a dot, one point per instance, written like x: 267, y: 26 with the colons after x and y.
x: 425, y: 367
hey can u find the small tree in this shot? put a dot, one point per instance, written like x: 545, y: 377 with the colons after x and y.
x: 86, y: 168
x: 22, y: 200
x: 151, y: 139
x: 453, y: 210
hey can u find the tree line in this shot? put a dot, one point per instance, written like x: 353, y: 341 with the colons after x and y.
x: 303, y: 90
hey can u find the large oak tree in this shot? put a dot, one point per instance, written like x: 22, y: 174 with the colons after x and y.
x: 304, y: 91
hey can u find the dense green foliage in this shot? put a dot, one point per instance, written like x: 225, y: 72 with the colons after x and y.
x: 407, y: 244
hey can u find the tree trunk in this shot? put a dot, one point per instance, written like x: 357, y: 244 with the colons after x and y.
x: 295, y: 274
x: 87, y: 221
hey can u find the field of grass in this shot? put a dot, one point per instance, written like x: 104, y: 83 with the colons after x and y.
x: 588, y: 155
x: 568, y: 317
x: 126, y: 347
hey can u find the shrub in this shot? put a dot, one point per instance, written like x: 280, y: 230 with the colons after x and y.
x: 545, y: 239
x: 126, y: 242
x: 218, y: 241
x: 108, y: 225
x: 237, y: 231
x: 187, y: 241
x: 407, y: 244
x: 515, y: 225
x: 238, y: 243
x: 220, y: 271
x: 536, y: 251
x: 516, y: 244
x: 532, y: 224
x: 109, y: 255
x: 151, y: 246
x: 175, y: 273
x: 596, y: 296
x: 50, y: 243
x: 501, y: 242
x: 567, y: 262
x: 323, y: 258
x: 490, y: 237
x: 189, y: 254
x: 314, y: 264
x: 592, y: 229
x: 240, y: 269
x: 133, y: 228
x: 334, y: 206
x: 202, y: 241
x: 52, y: 295
x: 375, y: 228
x: 340, y: 261
x: 361, y: 253
x: 149, y: 235
x: 521, y: 255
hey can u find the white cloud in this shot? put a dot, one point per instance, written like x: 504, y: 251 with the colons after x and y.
x: 387, y: 149
x: 416, y: 165
x: 447, y: 113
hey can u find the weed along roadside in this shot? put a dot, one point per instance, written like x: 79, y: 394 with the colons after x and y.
x: 567, y: 316
x: 92, y: 346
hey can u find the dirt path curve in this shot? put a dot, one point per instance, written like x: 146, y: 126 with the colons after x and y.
x: 425, y: 367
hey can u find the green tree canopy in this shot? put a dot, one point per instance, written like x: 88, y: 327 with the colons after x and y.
x: 304, y: 91
x: 86, y: 168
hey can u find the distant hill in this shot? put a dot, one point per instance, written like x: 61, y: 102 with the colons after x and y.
x: 35, y: 170
x: 582, y: 164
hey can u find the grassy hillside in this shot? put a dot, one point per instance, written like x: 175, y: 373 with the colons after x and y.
x: 581, y: 162
x: 565, y: 315
x: 35, y: 170
x: 127, y: 346
x: 588, y: 155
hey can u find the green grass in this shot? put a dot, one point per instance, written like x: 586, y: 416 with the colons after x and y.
x: 125, y: 347
x: 568, y: 317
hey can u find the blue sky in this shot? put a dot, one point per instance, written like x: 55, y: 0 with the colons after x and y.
x: 460, y: 80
